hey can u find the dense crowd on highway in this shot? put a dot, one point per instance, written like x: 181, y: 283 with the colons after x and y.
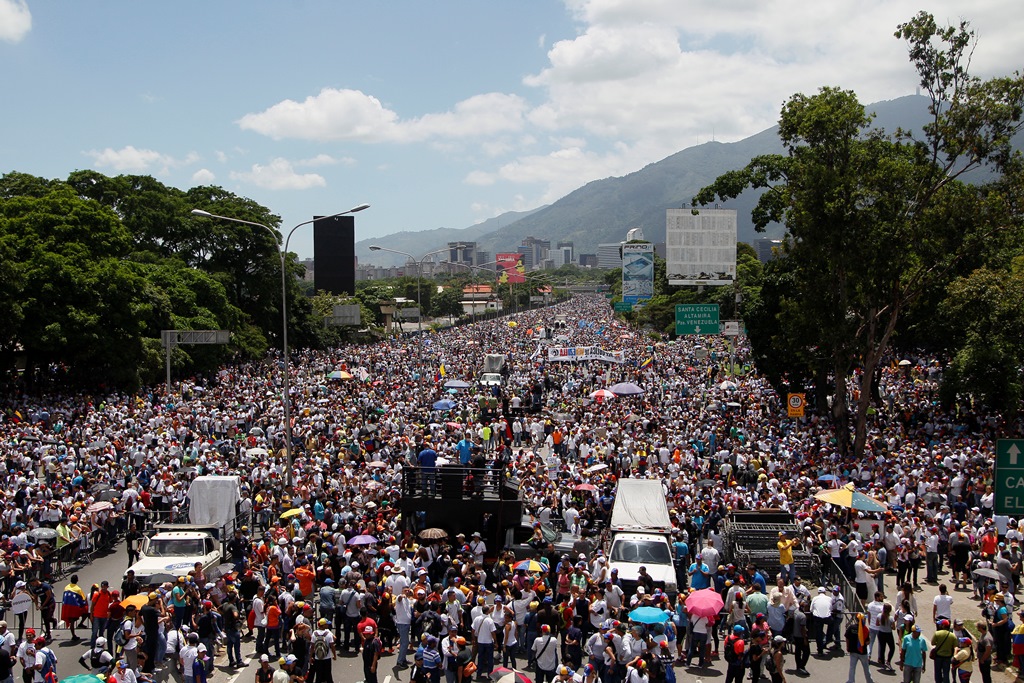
x: 328, y: 566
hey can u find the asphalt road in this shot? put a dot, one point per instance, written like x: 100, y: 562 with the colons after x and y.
x: 348, y: 669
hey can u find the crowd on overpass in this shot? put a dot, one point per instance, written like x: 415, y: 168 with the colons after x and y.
x: 306, y: 584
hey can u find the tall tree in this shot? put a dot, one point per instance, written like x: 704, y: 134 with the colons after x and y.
x: 868, y: 214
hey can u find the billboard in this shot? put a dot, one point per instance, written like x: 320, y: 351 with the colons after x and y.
x: 700, y: 246
x: 512, y: 270
x: 637, y: 272
x: 334, y: 254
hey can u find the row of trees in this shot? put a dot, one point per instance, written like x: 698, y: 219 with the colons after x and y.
x: 888, y: 249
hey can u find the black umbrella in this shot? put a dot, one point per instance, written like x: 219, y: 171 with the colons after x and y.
x: 157, y: 579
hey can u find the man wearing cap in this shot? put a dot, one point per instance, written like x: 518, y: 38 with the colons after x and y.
x: 371, y: 649
x: 321, y: 653
x: 544, y: 652
x: 944, y: 643
x: 821, y: 617
x: 187, y: 657
x: 913, y: 655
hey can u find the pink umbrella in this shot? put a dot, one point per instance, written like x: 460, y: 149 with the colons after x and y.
x: 704, y: 603
x: 602, y: 395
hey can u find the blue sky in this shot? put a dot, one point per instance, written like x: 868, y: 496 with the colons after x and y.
x: 441, y: 113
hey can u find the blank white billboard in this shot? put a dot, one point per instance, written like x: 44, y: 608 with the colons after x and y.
x: 700, y: 246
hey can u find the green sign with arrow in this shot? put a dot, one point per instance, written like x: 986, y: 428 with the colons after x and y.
x: 1009, y: 477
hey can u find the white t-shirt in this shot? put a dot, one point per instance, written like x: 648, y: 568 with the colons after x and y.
x: 484, y: 630
x: 326, y: 635
x: 860, y: 571
x: 943, y: 606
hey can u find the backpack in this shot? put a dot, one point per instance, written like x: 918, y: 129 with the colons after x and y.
x: 119, y: 639
x: 730, y: 649
x: 770, y: 662
x: 321, y: 650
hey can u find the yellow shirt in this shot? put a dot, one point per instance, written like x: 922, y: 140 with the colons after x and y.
x: 786, y: 551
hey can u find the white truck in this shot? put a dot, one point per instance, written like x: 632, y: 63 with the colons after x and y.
x: 641, y: 530
x: 174, y: 549
x: 494, y: 364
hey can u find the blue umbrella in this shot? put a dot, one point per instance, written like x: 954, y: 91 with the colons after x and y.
x: 827, y: 477
x: 649, y: 615
x: 456, y: 384
x: 444, y: 404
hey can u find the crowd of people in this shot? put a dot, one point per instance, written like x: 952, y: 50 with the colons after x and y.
x: 84, y: 470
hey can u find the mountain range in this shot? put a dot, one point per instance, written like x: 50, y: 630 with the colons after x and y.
x: 603, y: 210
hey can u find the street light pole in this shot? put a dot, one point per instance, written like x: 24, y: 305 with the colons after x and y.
x: 472, y: 279
x: 419, y: 275
x: 282, y: 253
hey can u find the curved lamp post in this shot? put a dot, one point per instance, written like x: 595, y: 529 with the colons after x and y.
x: 282, y: 253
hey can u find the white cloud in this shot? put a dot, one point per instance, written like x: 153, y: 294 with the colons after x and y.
x: 221, y: 156
x: 352, y: 115
x: 279, y: 174
x: 134, y: 160
x: 325, y: 160
x: 203, y: 176
x: 15, y: 20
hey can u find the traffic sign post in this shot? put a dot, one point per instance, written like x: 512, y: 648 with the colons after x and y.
x: 623, y: 307
x: 1009, y: 477
x: 697, y: 319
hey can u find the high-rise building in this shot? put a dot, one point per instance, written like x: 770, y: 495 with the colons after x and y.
x: 588, y: 261
x: 534, y: 251
x: 765, y: 248
x: 568, y: 244
x: 609, y: 256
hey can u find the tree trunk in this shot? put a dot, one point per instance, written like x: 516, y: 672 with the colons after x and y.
x: 841, y: 409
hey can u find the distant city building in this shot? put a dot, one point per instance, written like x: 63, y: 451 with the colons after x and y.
x: 567, y: 244
x: 634, y: 234
x: 534, y: 251
x: 466, y: 253
x: 765, y: 248
x: 562, y: 256
x: 307, y: 263
x: 588, y: 260
x: 370, y: 272
x: 609, y: 256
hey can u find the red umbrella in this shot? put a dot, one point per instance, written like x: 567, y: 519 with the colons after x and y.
x: 602, y: 395
x: 704, y: 603
x: 584, y: 487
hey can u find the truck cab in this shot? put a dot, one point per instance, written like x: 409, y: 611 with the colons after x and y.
x: 176, y: 553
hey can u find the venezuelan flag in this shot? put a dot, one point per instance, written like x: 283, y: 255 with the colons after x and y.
x: 647, y: 363
x: 73, y: 604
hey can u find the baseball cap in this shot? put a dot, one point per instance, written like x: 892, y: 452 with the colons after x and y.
x: 367, y: 629
x: 264, y: 658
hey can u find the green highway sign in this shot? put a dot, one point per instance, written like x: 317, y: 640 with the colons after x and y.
x: 697, y: 319
x: 623, y: 307
x: 1009, y: 476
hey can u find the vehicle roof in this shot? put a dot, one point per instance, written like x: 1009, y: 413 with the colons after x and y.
x: 630, y: 536
x: 181, y: 534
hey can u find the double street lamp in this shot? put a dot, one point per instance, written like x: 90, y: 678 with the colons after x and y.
x: 419, y: 274
x: 282, y: 253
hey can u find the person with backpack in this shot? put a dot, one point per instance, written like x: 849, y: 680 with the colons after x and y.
x: 857, y: 638
x: 321, y: 653
x: 545, y: 655
x: 735, y: 653
x: 776, y: 660
x: 46, y: 663
x: 97, y: 658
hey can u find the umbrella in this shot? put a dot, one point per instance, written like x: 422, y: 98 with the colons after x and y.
x: 42, y: 534
x: 625, y: 389
x: 256, y: 451
x: 904, y: 363
x: 377, y: 463
x: 503, y: 675
x: 294, y: 512
x: 84, y: 678
x: 988, y: 573
x: 339, y: 374
x: 704, y: 603
x: 733, y: 404
x: 456, y: 384
x: 156, y: 579
x: 827, y: 478
x: 100, y: 506
x: 512, y: 323
x: 221, y: 570
x: 648, y: 615
x: 596, y: 468
x: 362, y: 539
x: 849, y: 497
x: 530, y: 566
x: 727, y: 385
x: 704, y: 483
x: 433, y: 534
x: 602, y: 395
x: 584, y: 487
x: 933, y: 497
x: 108, y: 494
x: 444, y: 404
x: 139, y: 600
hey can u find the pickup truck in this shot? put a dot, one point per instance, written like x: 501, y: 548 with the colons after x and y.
x: 517, y: 539
x: 175, y: 553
